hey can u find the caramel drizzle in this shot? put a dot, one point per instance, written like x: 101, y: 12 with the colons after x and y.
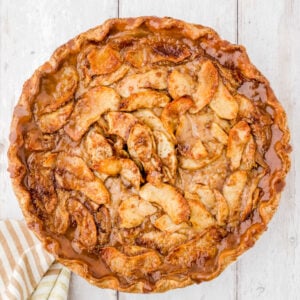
x: 96, y: 266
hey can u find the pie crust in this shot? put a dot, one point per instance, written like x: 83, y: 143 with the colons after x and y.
x: 147, y: 154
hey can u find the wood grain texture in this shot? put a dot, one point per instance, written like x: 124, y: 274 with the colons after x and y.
x: 222, y: 16
x: 271, y: 33
x: 219, y: 14
x: 29, y: 32
x: 270, y: 30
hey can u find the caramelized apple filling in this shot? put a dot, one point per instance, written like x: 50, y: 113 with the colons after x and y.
x: 150, y: 152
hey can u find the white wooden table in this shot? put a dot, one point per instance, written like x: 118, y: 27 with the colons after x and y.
x: 31, y: 29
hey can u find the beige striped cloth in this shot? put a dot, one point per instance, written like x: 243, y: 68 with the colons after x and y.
x: 27, y: 270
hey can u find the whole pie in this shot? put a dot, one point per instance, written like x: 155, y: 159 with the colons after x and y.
x: 147, y: 154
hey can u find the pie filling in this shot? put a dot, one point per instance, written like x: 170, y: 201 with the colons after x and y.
x: 148, y: 155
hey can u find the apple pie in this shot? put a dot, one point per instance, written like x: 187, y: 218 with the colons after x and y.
x: 147, y: 154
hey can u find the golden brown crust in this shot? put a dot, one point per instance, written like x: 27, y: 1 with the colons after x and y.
x: 207, y: 39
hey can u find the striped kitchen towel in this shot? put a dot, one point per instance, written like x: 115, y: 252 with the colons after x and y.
x: 27, y: 270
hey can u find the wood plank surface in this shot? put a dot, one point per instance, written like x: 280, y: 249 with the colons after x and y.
x: 222, y: 16
x: 219, y: 14
x: 31, y: 30
x: 270, y: 31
